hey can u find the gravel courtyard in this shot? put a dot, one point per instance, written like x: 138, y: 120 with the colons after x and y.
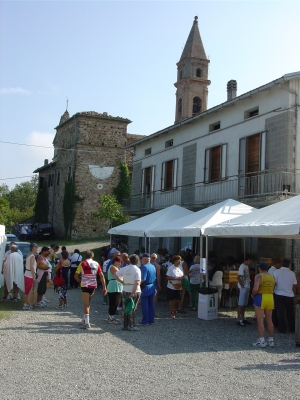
x: 45, y: 355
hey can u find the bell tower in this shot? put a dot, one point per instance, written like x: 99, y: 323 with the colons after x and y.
x: 192, y: 78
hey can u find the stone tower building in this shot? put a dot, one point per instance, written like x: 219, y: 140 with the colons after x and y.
x: 88, y: 147
x: 192, y: 78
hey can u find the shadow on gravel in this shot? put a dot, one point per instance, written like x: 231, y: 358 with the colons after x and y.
x: 291, y: 365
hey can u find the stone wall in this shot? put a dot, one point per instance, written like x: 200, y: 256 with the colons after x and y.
x: 87, y: 138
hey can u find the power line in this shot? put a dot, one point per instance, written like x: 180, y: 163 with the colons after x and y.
x: 16, y: 177
x: 57, y: 148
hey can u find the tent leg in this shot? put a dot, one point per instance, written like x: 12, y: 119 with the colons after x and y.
x: 206, y: 255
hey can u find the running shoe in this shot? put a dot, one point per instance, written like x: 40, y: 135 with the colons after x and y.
x: 259, y: 344
x: 86, y: 326
x: 271, y: 343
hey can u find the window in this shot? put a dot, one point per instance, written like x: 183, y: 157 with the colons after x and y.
x: 169, y: 143
x: 41, y: 182
x: 215, y: 163
x: 197, y: 104
x: 169, y: 175
x: 198, y: 73
x: 148, y: 151
x: 148, y: 180
x: 58, y: 178
x: 251, y: 161
x: 215, y: 126
x: 251, y: 113
x: 180, y: 75
x: 50, y: 180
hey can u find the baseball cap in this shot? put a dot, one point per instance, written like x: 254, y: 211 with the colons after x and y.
x: 146, y: 255
x: 263, y: 265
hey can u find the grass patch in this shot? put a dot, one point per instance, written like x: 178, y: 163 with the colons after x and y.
x: 8, y: 307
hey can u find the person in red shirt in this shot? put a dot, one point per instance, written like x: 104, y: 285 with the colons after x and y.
x: 89, y: 270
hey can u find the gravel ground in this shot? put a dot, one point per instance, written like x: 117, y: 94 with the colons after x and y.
x: 45, y: 355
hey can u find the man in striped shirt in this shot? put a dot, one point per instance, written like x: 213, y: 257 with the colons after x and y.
x: 89, y: 270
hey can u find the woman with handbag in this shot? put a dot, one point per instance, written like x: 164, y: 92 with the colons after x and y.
x: 61, y: 279
x: 29, y: 276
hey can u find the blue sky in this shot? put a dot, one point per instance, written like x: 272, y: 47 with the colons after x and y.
x: 120, y: 57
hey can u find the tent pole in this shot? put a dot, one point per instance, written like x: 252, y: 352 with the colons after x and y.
x: 206, y: 255
x: 149, y: 246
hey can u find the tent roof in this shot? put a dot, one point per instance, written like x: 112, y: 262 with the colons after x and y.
x: 191, y: 225
x: 280, y: 220
x: 140, y: 226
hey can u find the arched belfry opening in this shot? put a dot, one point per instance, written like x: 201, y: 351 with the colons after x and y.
x: 198, y: 73
x: 197, y: 105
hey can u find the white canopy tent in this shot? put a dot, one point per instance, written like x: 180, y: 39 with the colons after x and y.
x: 279, y: 220
x: 2, y: 251
x: 140, y: 227
x: 194, y: 224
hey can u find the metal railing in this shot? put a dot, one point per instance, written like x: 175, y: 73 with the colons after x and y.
x: 197, y: 196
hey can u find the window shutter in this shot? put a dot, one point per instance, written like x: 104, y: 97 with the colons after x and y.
x: 206, y: 165
x: 242, y: 157
x: 215, y: 168
x: 224, y: 161
x: 175, y: 166
x: 143, y: 181
x: 263, y: 151
x: 152, y: 178
x: 163, y: 173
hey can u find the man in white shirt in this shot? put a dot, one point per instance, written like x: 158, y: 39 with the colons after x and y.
x: 244, y: 289
x: 285, y: 288
x: 131, y: 279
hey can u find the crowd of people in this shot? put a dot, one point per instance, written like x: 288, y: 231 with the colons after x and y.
x: 129, y: 280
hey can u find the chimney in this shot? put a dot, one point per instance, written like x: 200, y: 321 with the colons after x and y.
x: 46, y: 161
x: 231, y: 89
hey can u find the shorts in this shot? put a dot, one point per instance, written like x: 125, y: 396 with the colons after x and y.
x: 264, y: 301
x: 42, y: 286
x: 28, y: 284
x: 88, y: 290
x: 173, y: 294
x: 244, y: 297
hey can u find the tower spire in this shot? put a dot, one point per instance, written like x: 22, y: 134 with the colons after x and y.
x: 192, y: 77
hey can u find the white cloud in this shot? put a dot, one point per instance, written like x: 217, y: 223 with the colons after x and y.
x: 43, y: 139
x: 16, y: 90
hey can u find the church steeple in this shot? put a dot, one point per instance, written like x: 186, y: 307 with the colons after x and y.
x: 192, y: 77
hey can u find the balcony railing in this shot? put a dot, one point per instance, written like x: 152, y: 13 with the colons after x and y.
x: 247, y: 188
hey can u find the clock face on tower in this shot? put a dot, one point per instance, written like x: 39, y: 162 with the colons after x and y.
x: 100, y: 172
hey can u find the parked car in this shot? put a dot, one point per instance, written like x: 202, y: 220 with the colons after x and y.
x: 10, y: 237
x: 41, y: 230
x: 24, y: 248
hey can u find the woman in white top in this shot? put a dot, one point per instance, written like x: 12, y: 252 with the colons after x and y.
x: 29, y: 275
x: 216, y: 278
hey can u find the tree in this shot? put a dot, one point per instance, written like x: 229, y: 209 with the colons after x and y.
x: 69, y: 203
x: 41, y: 208
x: 4, y: 189
x: 110, y: 210
x: 5, y: 214
x: 122, y: 190
x: 23, y: 196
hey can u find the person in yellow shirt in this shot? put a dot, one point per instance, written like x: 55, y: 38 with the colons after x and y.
x: 263, y: 301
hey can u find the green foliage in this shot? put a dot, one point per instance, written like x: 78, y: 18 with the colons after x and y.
x: 23, y: 196
x: 69, y: 203
x: 122, y: 190
x: 110, y: 210
x: 41, y: 209
x: 4, y: 189
x: 5, y: 214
